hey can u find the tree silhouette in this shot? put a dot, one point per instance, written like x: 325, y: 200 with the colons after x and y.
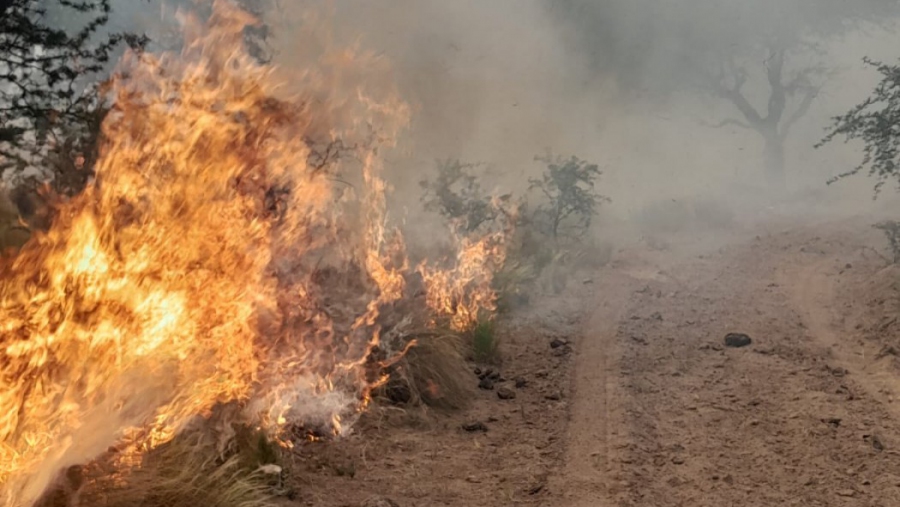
x: 734, y: 51
x: 51, y: 86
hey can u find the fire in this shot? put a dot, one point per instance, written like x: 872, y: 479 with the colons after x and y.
x: 184, y: 277
x: 462, y: 294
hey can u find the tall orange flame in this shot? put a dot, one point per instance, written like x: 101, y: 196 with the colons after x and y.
x: 182, y: 278
x: 189, y: 274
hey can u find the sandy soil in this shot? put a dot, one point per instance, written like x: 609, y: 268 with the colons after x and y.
x: 666, y: 415
x: 654, y: 410
x: 430, y: 459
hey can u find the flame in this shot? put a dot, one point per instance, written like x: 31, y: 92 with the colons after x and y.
x: 182, y: 277
x: 462, y: 293
x: 188, y: 276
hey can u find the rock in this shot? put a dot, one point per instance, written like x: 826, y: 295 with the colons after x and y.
x: 521, y: 382
x: 477, y: 372
x: 379, y: 501
x: 737, y: 340
x: 847, y: 493
x: 475, y: 426
x: 558, y: 342
x: 494, y: 375
x: 876, y: 442
x: 837, y: 372
x: 678, y: 460
x: 505, y: 393
x: 832, y: 421
x: 486, y: 384
x: 554, y: 396
x: 270, y: 470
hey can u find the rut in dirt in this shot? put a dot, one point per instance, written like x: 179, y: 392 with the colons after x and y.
x: 666, y: 415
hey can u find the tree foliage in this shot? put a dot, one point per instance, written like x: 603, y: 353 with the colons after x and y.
x: 457, y: 195
x: 571, y: 197
x: 568, y: 198
x: 51, y: 93
x: 875, y: 122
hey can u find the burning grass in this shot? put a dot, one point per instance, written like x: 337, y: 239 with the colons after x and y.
x: 215, y: 262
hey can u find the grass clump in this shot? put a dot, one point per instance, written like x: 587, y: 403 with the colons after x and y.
x: 433, y: 373
x: 182, y: 473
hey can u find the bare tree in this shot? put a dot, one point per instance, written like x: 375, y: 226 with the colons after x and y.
x: 789, y: 99
x: 767, y: 59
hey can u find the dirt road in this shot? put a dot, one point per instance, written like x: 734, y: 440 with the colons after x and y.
x: 658, y: 412
x: 664, y: 414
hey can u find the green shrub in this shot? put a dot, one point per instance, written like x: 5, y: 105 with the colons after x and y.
x: 485, y: 346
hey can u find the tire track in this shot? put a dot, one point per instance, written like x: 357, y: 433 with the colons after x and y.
x: 664, y: 415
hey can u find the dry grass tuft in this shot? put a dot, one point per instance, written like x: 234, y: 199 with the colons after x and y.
x: 181, y: 473
x: 433, y: 373
x: 178, y: 479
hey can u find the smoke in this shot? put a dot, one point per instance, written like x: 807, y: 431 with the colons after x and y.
x: 616, y: 82
x: 619, y: 83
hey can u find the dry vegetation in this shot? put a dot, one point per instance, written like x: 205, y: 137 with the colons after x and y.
x: 185, y: 472
x: 435, y: 372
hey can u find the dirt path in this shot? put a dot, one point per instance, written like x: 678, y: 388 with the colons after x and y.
x: 664, y: 415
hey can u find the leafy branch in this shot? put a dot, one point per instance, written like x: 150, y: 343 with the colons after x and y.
x: 51, y: 92
x: 571, y: 198
x: 876, y: 122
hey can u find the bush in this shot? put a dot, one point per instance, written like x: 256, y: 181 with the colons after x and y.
x: 571, y: 198
x: 540, y: 239
x: 456, y: 195
x: 485, y: 345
